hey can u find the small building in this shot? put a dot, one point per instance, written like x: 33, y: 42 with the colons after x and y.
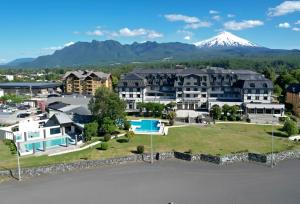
x: 293, y: 97
x: 29, y: 88
x: 31, y: 136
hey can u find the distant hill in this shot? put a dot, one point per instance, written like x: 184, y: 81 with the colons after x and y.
x: 19, y: 61
x: 224, y: 45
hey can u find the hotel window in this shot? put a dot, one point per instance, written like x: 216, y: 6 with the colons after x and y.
x: 203, y: 90
x: 138, y: 89
x: 136, y: 84
x: 179, y: 89
x: 252, y: 85
x: 195, y: 89
x: 180, y: 95
x: 123, y: 95
x: 125, y: 83
x: 265, y: 91
x: 257, y: 91
x: 265, y: 97
x: 203, y: 95
x: 138, y: 95
x: 248, y: 97
x: 187, y: 89
x: 256, y: 97
x: 187, y: 95
x: 130, y: 95
x: 123, y: 89
x: 195, y: 95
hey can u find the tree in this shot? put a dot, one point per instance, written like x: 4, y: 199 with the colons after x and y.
x: 270, y: 74
x: 107, y: 109
x: 171, y: 106
x: 216, y: 112
x: 277, y: 90
x: 106, y: 103
x: 226, y: 109
x: 90, y: 130
x: 290, y: 127
x: 130, y: 135
x: 171, y: 117
x: 108, y: 126
x: 234, y: 110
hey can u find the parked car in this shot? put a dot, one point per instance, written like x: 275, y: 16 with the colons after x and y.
x: 23, y: 115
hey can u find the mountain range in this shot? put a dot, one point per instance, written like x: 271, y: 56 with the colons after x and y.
x: 112, y: 52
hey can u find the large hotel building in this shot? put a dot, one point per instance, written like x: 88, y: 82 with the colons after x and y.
x: 85, y: 82
x: 199, y: 89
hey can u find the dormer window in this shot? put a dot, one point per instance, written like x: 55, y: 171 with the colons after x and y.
x: 252, y: 85
x: 265, y: 85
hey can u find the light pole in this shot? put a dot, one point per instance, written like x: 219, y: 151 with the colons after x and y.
x: 151, y: 144
x: 272, y: 149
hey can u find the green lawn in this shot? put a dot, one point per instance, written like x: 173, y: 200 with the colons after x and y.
x: 217, y: 139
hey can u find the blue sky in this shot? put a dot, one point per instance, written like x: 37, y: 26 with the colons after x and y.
x: 37, y: 27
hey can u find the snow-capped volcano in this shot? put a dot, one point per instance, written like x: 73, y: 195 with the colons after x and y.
x: 225, y: 39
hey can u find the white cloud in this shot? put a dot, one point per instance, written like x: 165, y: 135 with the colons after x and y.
x: 187, y: 34
x: 284, y: 8
x: 201, y: 24
x: 187, y: 37
x: 183, y: 18
x: 126, y: 32
x: 296, y: 29
x: 297, y: 22
x: 3, y: 60
x: 216, y: 17
x: 76, y: 32
x: 284, y: 25
x: 59, y: 47
x: 153, y: 34
x: 96, y: 32
x: 234, y: 25
x: 213, y: 12
x: 230, y: 15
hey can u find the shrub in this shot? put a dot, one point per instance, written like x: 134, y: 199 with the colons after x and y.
x: 140, y: 149
x: 127, y: 125
x: 104, y: 146
x: 106, y: 138
x: 11, y: 145
x: 232, y: 118
x: 238, y: 118
x: 171, y: 116
x: 290, y: 127
x: 129, y: 135
x: 90, y: 130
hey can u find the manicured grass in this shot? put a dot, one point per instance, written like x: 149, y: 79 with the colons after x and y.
x: 216, y: 139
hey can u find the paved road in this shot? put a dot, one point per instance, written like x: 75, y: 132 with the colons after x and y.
x: 169, y: 181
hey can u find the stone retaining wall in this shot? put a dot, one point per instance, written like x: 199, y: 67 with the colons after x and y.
x: 228, y: 159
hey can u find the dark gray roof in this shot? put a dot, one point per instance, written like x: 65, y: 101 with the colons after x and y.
x: 293, y: 88
x: 83, y: 74
x: 265, y: 83
x: 62, y: 118
x: 57, y: 105
x: 33, y: 85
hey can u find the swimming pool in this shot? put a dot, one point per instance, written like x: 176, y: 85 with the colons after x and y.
x: 145, y: 125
